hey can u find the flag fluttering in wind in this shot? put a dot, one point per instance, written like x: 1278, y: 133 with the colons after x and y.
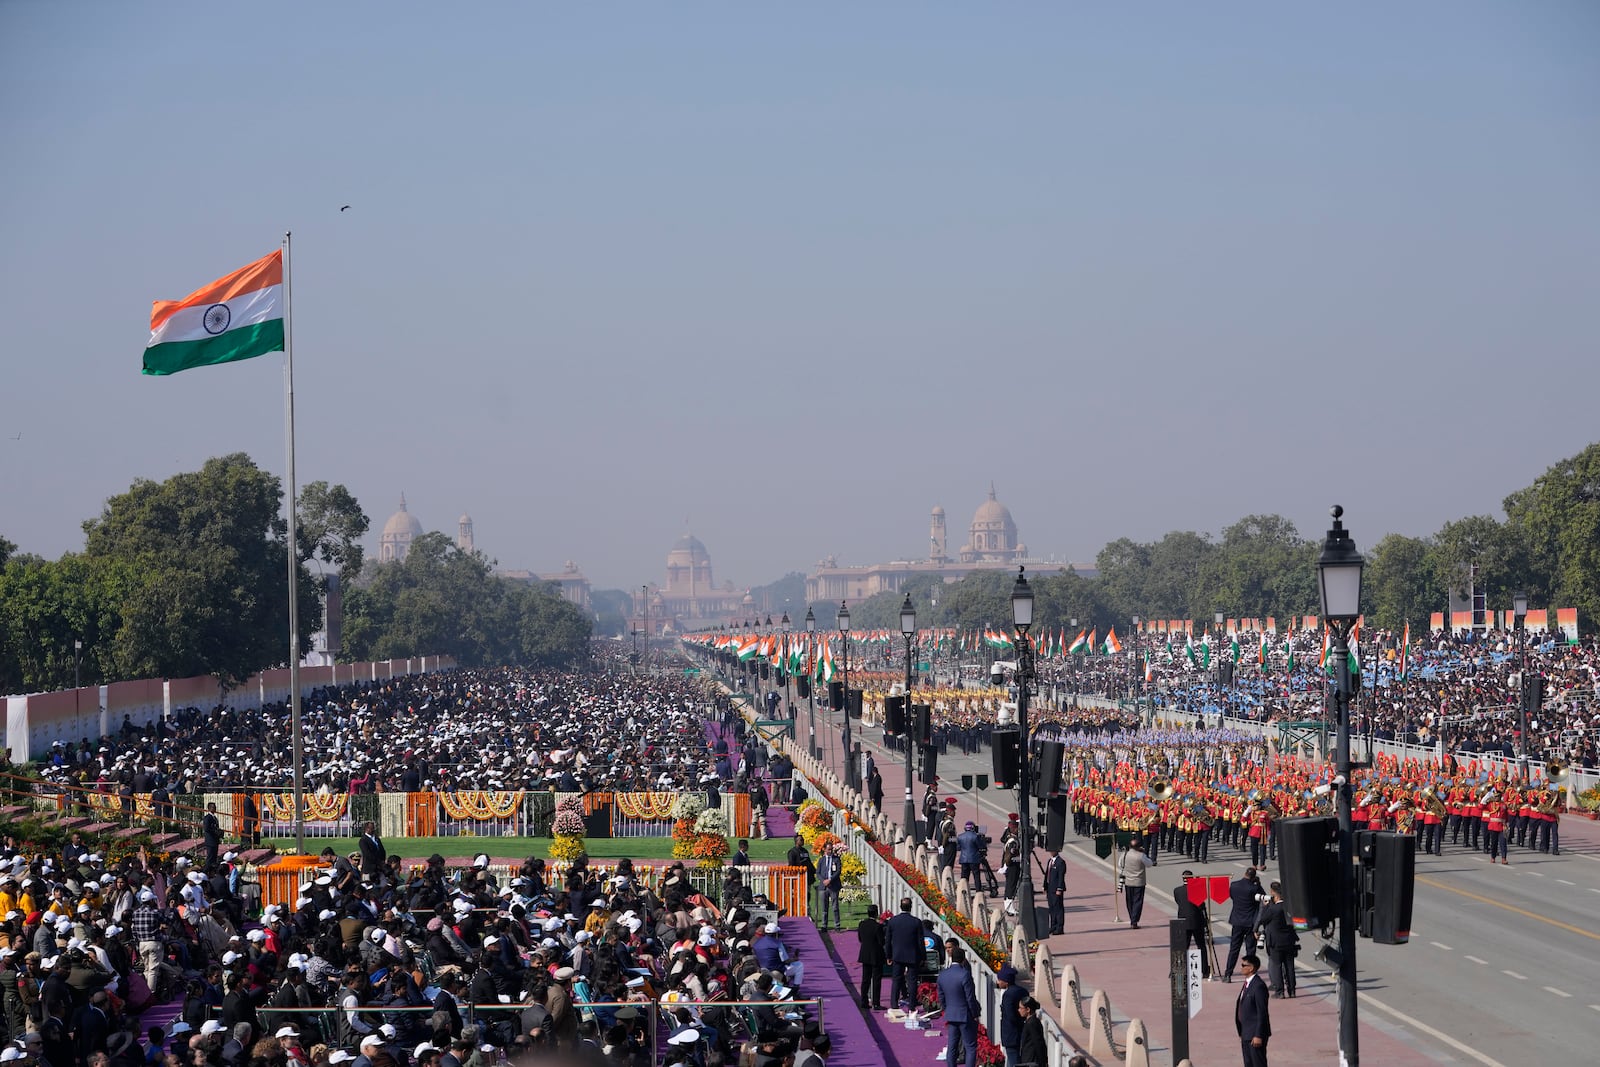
x: 1079, y: 644
x: 238, y: 316
x: 1405, y: 651
x: 1113, y: 646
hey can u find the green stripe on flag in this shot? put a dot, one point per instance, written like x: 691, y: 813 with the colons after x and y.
x: 247, y: 342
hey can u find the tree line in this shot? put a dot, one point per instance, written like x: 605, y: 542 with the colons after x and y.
x: 1547, y: 544
x: 189, y: 576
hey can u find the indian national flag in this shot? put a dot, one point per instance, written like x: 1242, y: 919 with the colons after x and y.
x: 1233, y: 646
x: 239, y: 316
x: 1261, y: 653
x: 748, y: 648
x: 1113, y: 646
x: 1405, y: 650
x: 1090, y: 646
x: 1288, y: 650
x: 1079, y: 644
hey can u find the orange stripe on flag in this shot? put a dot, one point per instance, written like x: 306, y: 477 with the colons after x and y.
x: 266, y: 271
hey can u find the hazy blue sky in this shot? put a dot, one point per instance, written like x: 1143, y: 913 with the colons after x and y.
x: 795, y: 273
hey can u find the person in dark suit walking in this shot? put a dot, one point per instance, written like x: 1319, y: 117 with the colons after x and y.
x: 1282, y: 943
x: 1012, y: 1021
x: 904, y: 935
x: 1055, y: 890
x: 872, y: 956
x: 1195, y: 923
x: 373, y: 854
x: 1242, y: 917
x: 958, y: 996
x: 1251, y: 1016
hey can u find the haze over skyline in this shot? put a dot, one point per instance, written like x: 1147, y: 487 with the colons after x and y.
x: 787, y: 278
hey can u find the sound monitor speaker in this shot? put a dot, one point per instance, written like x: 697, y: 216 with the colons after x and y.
x: 835, y: 695
x: 1047, y: 770
x: 1055, y: 823
x: 923, y: 718
x: 1392, y: 881
x: 1005, y: 746
x: 766, y: 671
x: 1309, y: 869
x: 894, y: 715
x: 930, y: 765
x: 802, y: 686
x: 1225, y: 673
x: 855, y: 703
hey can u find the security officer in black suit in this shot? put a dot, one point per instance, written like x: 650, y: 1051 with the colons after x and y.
x: 904, y: 936
x: 1055, y: 891
x: 1195, y: 923
x: 1242, y: 918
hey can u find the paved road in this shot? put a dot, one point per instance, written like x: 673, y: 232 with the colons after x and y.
x: 1503, y: 966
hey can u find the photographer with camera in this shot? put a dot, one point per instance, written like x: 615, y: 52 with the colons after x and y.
x: 1247, y: 899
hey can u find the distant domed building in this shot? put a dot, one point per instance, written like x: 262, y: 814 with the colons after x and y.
x: 992, y: 544
x: 690, y: 599
x: 398, y: 533
x: 464, y: 538
x: 993, y: 536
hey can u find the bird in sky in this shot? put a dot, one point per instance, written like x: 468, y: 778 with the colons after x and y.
x: 345, y: 208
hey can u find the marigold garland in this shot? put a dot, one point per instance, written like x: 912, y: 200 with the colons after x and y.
x: 319, y: 807
x: 481, y: 805
x: 646, y: 805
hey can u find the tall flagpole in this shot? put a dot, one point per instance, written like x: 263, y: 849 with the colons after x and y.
x: 294, y: 562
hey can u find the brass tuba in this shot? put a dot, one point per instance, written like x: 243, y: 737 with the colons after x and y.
x: 1161, y: 789
x: 1555, y: 771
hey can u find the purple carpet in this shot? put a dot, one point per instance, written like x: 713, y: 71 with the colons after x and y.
x: 890, y: 1042
x: 858, y: 1040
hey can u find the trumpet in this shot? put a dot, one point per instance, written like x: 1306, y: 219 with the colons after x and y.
x: 1556, y: 771
x: 1161, y: 789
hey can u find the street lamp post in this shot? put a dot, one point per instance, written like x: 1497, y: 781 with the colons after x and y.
x: 788, y: 705
x: 77, y: 660
x: 1137, y: 688
x: 933, y: 658
x: 844, y: 633
x: 811, y: 685
x: 908, y: 628
x: 1339, y: 576
x: 1519, y: 609
x: 1022, y: 619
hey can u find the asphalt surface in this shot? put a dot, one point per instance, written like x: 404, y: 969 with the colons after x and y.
x: 1503, y: 965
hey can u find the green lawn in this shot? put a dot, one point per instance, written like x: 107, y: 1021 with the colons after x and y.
x: 419, y: 848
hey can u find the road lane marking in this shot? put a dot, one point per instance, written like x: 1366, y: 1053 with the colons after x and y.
x: 1475, y: 959
x: 1436, y: 944
x: 1514, y: 974
x: 1596, y: 1007
x: 1557, y: 992
x: 1525, y: 913
x: 1536, y: 874
x: 1418, y: 1024
x: 1566, y: 881
x: 1592, y: 889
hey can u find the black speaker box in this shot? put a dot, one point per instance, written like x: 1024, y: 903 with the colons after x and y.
x: 1225, y: 673
x: 922, y: 716
x: 930, y: 765
x: 1391, y: 881
x: 1309, y: 870
x: 1055, y: 823
x: 855, y: 703
x: 835, y: 695
x: 1047, y: 769
x: 1005, y: 748
x: 802, y: 686
x: 894, y: 715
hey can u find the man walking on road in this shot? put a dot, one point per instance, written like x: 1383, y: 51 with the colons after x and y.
x: 1134, y: 865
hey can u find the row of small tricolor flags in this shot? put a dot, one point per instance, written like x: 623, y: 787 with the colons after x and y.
x: 819, y: 655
